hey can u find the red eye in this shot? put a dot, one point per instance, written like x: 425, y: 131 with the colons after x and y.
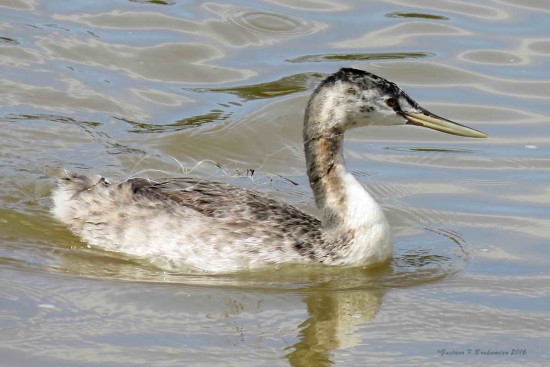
x: 391, y: 102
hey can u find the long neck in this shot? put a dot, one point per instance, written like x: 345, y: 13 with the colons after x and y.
x: 342, y: 200
x: 347, y: 209
x: 327, y: 172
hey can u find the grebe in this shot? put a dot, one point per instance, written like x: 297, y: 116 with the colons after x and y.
x: 219, y: 228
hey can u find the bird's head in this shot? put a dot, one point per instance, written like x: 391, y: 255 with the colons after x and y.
x: 352, y: 98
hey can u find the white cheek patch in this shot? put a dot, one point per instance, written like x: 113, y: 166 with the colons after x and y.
x: 387, y: 118
x: 406, y: 106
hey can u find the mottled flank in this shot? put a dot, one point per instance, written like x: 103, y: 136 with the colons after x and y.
x: 216, y: 227
x: 203, y: 224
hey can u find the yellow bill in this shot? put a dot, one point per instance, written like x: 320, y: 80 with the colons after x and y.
x: 441, y: 124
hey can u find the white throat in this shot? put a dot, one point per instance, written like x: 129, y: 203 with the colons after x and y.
x: 362, y: 215
x: 351, y: 217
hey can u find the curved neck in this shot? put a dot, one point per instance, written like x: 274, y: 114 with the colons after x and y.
x: 354, y: 227
x: 346, y: 207
x: 326, y: 171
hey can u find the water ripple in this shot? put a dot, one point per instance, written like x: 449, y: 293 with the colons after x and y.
x: 362, y: 56
x: 457, y: 7
x: 168, y: 62
x: 401, y: 34
x: 432, y: 73
x: 236, y: 26
x: 311, y: 5
x: 265, y: 23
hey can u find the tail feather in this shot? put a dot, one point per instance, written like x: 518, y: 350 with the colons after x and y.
x: 76, y: 182
x: 70, y: 186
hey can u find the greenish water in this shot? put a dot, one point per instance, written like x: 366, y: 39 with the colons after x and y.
x: 217, y: 90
